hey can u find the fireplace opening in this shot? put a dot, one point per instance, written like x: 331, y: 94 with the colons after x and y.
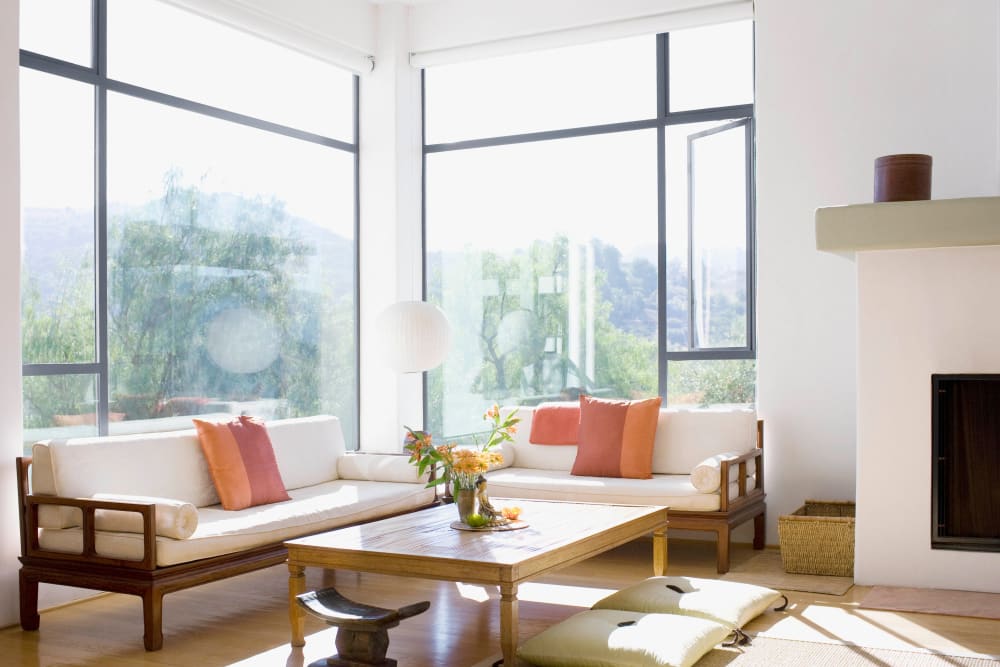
x: 965, y: 479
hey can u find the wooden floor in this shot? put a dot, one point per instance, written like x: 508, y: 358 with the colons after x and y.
x: 243, y: 621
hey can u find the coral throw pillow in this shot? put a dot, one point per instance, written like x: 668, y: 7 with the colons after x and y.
x: 555, y: 424
x: 241, y: 461
x: 616, y: 438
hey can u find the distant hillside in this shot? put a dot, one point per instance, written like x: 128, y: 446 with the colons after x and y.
x: 57, y: 243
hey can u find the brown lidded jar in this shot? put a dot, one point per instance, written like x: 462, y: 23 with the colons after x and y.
x: 904, y: 177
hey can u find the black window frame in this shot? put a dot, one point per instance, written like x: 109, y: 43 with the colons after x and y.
x: 664, y: 118
x: 96, y: 76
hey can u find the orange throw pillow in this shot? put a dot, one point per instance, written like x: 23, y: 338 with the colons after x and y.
x: 241, y: 461
x: 616, y: 438
x: 555, y: 424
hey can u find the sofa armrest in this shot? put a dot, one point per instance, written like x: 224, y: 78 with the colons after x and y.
x: 88, y: 508
x: 744, y: 494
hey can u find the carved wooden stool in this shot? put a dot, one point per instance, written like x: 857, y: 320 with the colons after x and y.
x: 362, y: 630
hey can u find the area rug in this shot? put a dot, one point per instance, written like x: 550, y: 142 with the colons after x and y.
x: 768, y: 652
x: 933, y: 601
x: 764, y: 569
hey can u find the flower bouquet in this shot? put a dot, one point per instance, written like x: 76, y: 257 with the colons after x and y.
x: 461, y: 465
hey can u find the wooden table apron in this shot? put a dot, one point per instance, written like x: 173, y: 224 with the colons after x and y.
x: 423, y: 545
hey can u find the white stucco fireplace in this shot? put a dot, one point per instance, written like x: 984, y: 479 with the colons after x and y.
x: 928, y: 280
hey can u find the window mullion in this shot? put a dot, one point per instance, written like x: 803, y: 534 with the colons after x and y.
x: 101, y: 210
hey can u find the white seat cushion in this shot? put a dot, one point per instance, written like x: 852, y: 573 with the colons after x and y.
x: 604, y: 637
x: 310, y: 510
x: 728, y: 602
x: 674, y: 491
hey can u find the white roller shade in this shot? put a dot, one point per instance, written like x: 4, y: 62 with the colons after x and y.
x: 707, y: 12
x: 295, y: 25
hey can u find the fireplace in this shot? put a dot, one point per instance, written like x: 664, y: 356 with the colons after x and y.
x: 965, y: 470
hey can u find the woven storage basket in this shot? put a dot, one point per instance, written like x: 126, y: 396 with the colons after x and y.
x: 818, y: 538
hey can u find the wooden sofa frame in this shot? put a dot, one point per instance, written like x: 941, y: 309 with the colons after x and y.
x: 135, y: 577
x: 749, y: 504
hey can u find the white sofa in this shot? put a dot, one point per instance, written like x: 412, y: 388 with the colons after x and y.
x: 722, y: 447
x: 74, y: 532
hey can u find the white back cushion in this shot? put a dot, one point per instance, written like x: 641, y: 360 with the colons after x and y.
x: 307, y: 449
x: 166, y: 465
x: 685, y: 438
x: 538, y: 457
x: 172, y: 465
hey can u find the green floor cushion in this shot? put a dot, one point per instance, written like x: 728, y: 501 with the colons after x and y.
x: 602, y: 637
x: 728, y: 602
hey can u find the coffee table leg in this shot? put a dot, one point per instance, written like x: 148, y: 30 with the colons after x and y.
x: 508, y: 623
x: 297, y: 617
x: 659, y: 552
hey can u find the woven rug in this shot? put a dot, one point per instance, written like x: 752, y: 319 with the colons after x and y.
x: 768, y: 652
x: 933, y: 601
x: 764, y: 569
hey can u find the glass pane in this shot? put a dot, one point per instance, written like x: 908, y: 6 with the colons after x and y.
x: 712, y: 382
x: 711, y: 66
x: 57, y: 216
x: 227, y: 68
x: 59, y: 406
x: 706, y: 223
x: 543, y: 256
x: 718, y: 209
x: 231, y: 270
x: 58, y: 28
x: 605, y: 82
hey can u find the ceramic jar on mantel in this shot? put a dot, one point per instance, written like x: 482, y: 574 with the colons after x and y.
x: 903, y: 177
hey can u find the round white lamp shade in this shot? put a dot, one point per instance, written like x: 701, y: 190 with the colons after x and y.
x: 413, y: 336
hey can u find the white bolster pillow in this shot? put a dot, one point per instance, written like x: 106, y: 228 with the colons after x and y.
x: 378, y: 468
x: 707, y: 475
x: 174, y: 518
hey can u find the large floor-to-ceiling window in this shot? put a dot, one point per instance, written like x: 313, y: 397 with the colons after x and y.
x: 190, y: 212
x: 589, y: 223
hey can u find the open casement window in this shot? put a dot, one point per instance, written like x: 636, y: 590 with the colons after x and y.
x: 718, y: 286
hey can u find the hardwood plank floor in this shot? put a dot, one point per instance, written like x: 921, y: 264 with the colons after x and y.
x: 243, y: 621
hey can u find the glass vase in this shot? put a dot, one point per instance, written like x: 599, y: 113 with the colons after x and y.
x: 465, y: 501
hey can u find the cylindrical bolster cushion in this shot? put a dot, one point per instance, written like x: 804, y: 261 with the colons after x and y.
x: 707, y: 475
x: 174, y: 518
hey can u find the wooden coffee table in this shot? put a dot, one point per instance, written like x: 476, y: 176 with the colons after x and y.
x: 422, y: 544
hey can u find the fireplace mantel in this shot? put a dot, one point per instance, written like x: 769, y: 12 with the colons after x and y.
x: 934, y: 223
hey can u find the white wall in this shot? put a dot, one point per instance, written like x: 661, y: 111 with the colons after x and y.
x: 840, y: 82
x: 919, y: 312
x: 10, y: 303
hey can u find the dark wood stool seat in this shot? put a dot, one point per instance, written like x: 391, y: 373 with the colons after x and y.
x: 362, y: 630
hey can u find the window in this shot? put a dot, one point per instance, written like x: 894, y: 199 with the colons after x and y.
x: 189, y: 248
x: 589, y: 223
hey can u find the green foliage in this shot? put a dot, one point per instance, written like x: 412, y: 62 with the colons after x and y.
x: 58, y: 331
x: 174, y: 266
x: 533, y: 363
x: 712, y: 382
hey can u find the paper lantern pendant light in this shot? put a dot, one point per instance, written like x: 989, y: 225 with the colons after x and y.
x: 413, y: 336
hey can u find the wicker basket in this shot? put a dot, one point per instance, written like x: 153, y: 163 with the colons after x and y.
x: 818, y: 538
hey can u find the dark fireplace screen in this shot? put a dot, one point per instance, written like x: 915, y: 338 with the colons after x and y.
x: 965, y: 478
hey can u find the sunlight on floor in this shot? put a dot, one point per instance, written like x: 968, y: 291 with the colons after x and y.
x: 840, y: 624
x: 573, y: 596
x: 318, y: 645
x: 471, y: 592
